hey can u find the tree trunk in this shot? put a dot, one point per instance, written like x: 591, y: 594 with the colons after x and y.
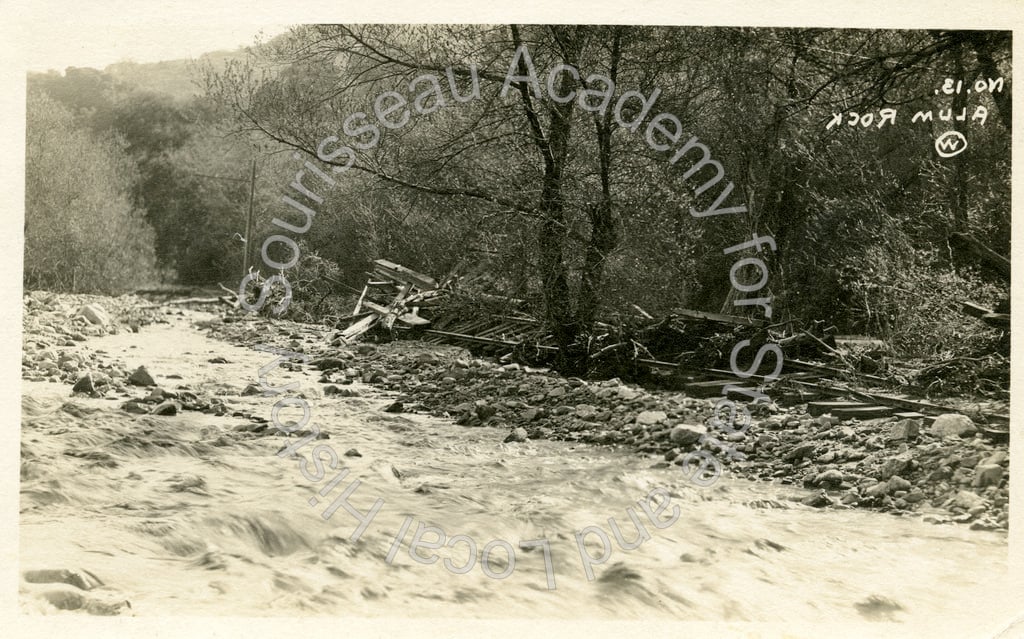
x: 603, y: 233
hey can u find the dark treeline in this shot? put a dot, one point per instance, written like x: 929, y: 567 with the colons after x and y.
x: 568, y: 208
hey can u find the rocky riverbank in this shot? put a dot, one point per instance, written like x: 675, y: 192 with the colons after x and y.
x: 943, y: 471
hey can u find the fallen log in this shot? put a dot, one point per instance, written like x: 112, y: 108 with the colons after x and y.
x: 974, y: 310
x: 993, y: 262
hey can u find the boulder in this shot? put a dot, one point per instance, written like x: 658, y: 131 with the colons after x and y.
x: 95, y: 314
x: 953, y: 425
x: 586, y: 412
x: 904, y: 429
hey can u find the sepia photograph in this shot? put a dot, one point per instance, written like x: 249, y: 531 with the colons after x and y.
x: 538, y: 320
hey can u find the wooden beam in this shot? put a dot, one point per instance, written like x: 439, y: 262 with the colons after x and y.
x: 403, y: 274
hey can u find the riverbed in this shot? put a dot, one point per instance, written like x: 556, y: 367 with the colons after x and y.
x: 198, y: 514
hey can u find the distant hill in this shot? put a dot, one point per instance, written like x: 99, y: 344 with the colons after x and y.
x: 177, y: 78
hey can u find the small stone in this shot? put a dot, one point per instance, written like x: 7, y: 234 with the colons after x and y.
x: 394, y: 407
x: 817, y: 501
x: 894, y: 466
x: 252, y: 389
x: 530, y: 414
x: 484, y: 410
x: 555, y: 393
x: 799, y: 452
x: 897, y: 483
x: 135, y: 407
x: 997, y: 458
x: 988, y: 475
x: 586, y: 412
x: 167, y: 408
x: 953, y: 425
x: 827, y: 458
x: 141, y: 377
x: 352, y: 452
x: 914, y: 496
x: 878, y: 490
x: 651, y: 417
x: 340, y: 392
x: 966, y: 499
x: 426, y: 358
x: 904, y: 429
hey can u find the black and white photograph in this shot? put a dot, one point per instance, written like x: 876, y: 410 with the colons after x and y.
x: 603, y: 320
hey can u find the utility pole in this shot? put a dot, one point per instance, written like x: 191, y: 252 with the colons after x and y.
x: 248, y: 221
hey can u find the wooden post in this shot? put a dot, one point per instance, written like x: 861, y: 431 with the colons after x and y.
x: 248, y: 221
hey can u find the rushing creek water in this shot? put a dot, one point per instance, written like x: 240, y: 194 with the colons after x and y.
x: 179, y: 515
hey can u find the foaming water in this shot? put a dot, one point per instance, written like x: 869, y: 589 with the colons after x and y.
x: 195, y: 514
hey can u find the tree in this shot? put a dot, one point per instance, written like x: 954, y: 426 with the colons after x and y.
x: 82, y: 233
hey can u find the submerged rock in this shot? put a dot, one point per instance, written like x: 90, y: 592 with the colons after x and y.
x: 517, y: 435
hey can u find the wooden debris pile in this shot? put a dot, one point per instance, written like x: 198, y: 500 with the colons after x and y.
x: 396, y: 298
x: 394, y: 295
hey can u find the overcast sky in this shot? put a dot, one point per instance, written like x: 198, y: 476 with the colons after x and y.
x: 60, y: 44
x: 45, y: 34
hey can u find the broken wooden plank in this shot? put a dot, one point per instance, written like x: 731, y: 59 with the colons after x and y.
x: 709, y: 388
x: 359, y: 302
x: 927, y: 419
x: 357, y: 329
x: 718, y: 317
x: 820, y: 408
x: 859, y: 341
x: 864, y: 412
x: 798, y: 364
x: 909, y: 404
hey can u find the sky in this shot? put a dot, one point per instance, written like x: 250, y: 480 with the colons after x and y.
x: 55, y: 34
x: 60, y: 44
